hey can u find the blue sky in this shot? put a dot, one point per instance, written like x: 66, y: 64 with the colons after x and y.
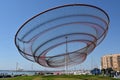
x: 13, y: 13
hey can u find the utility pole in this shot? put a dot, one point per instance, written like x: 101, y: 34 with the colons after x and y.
x: 32, y: 66
x: 16, y: 66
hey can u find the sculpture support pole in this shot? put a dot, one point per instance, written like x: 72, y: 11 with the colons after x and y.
x: 66, y: 56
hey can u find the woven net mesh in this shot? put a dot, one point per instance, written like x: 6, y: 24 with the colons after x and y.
x: 40, y: 37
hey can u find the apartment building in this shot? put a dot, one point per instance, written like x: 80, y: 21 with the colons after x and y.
x: 111, y: 61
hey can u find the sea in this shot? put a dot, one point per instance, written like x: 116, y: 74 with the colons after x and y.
x: 14, y: 72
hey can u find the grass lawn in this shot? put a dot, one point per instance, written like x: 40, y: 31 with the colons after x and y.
x: 61, y: 77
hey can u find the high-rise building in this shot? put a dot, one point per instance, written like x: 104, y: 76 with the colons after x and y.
x: 111, y: 61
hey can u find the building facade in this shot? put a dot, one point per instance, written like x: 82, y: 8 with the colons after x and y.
x: 111, y: 61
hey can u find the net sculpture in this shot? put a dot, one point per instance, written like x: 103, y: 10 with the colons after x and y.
x: 62, y: 25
